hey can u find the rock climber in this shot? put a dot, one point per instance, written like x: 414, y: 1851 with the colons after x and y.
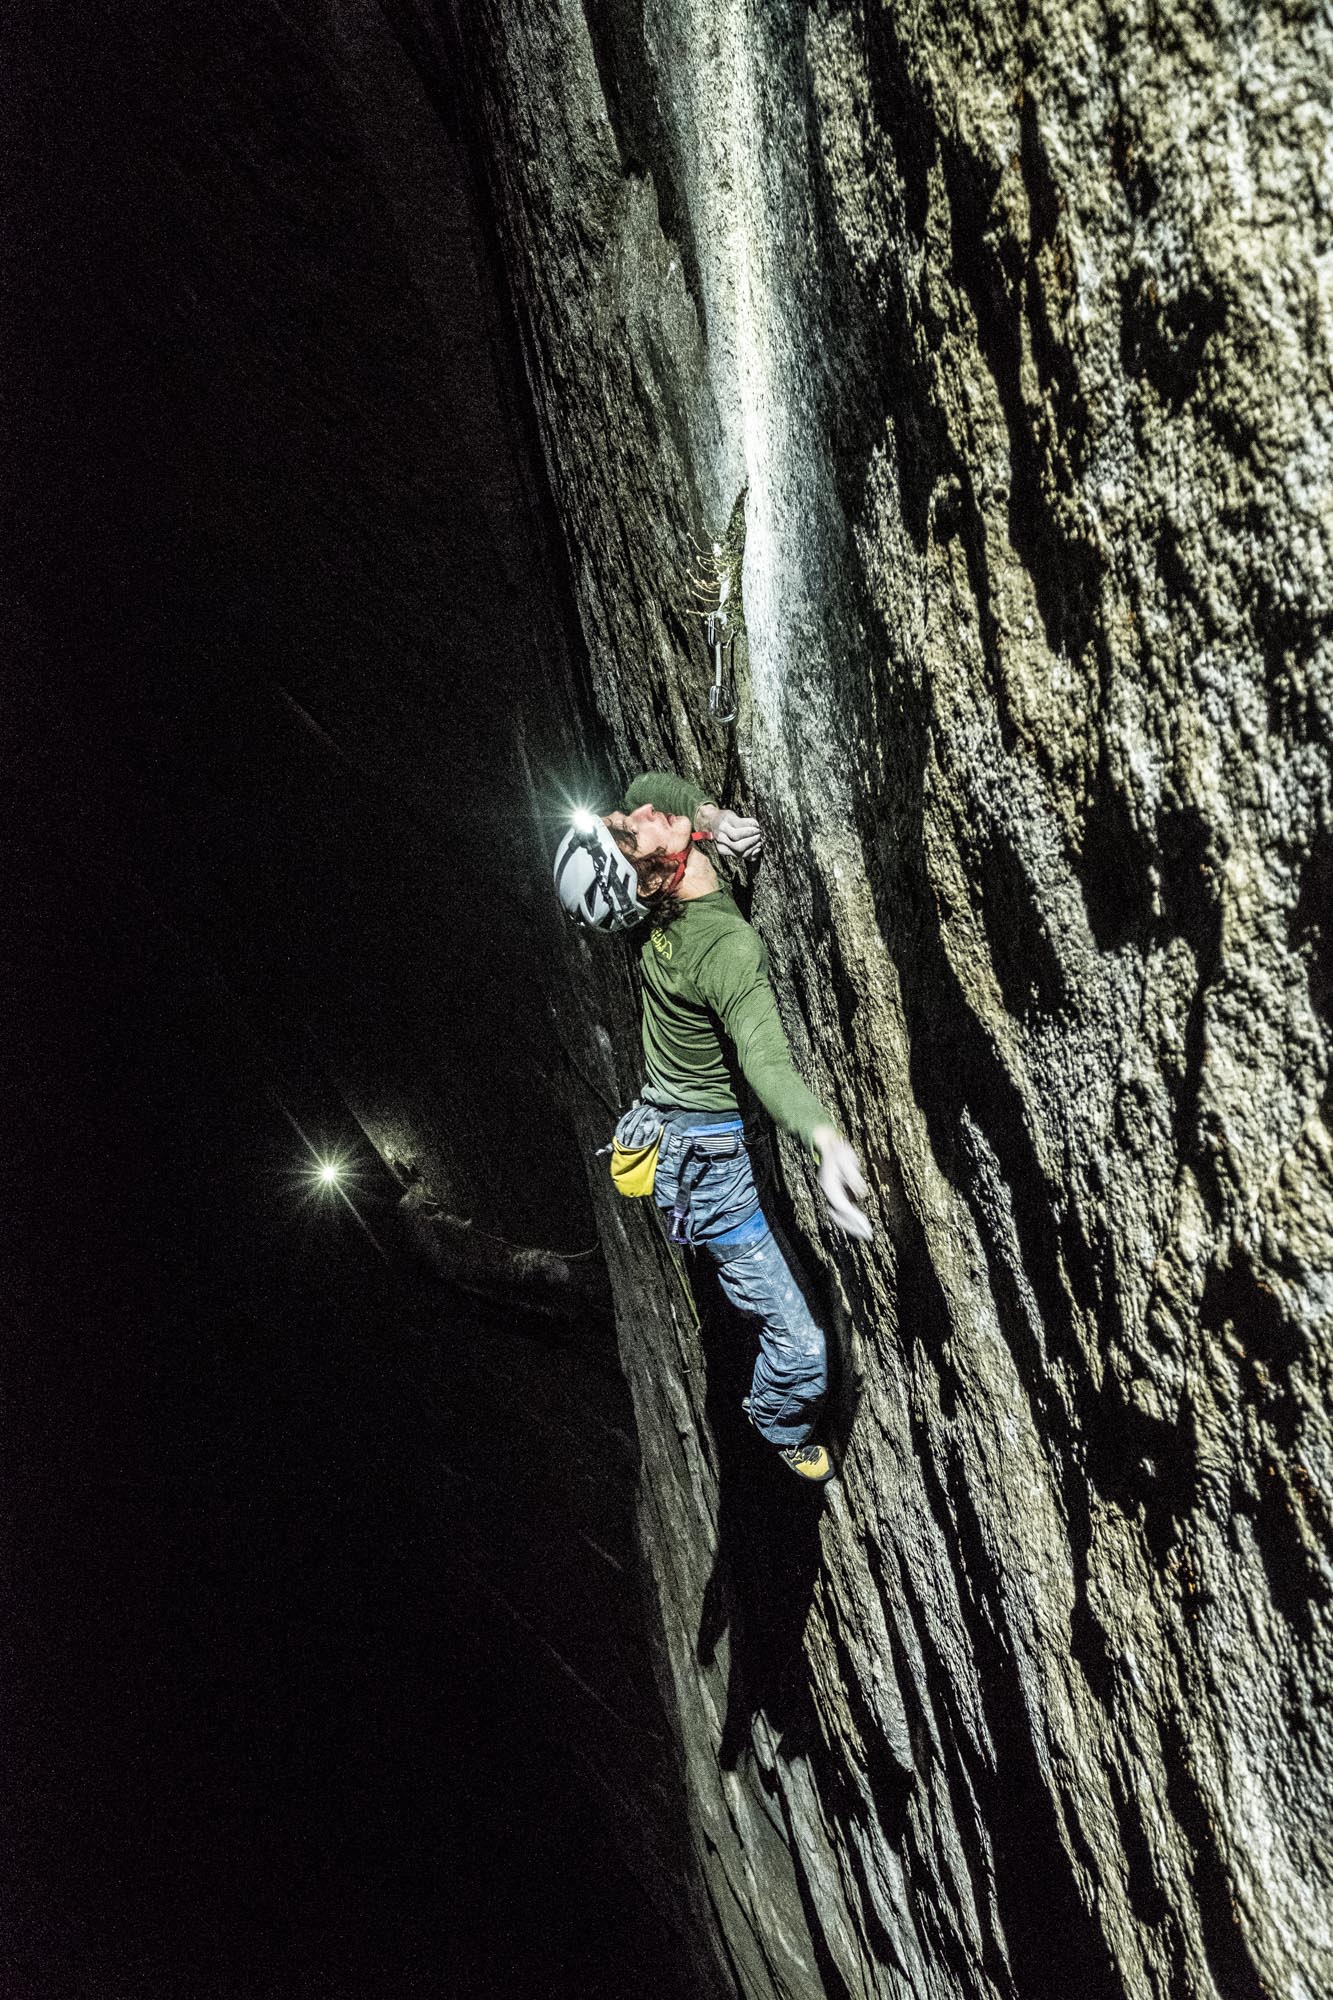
x: 713, y: 1044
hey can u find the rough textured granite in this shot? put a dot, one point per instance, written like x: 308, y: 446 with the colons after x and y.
x: 1014, y: 321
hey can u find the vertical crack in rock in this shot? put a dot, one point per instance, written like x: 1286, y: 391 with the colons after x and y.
x: 1015, y: 324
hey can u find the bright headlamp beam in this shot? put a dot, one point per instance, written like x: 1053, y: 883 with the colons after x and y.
x: 583, y: 821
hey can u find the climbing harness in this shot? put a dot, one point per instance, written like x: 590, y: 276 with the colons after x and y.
x: 635, y: 1154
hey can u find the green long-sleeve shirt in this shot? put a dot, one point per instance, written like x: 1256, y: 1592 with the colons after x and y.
x: 710, y: 1022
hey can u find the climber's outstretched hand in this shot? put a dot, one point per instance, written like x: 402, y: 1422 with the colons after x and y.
x: 842, y: 1184
x: 733, y: 834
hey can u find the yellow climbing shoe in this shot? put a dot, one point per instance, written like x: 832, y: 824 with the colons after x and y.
x: 807, y: 1461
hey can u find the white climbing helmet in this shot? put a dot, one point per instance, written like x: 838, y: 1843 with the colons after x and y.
x: 595, y: 882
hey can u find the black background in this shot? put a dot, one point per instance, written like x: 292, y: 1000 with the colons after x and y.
x: 267, y: 1735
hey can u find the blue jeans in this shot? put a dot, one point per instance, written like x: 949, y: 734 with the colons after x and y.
x: 727, y: 1222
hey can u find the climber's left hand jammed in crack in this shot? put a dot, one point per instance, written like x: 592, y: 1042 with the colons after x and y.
x: 714, y: 1046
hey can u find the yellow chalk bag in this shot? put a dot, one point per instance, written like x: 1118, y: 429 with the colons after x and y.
x: 634, y: 1168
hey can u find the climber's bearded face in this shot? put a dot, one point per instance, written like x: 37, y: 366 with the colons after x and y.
x: 645, y: 832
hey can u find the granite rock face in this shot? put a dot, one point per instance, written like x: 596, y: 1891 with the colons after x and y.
x: 1014, y: 323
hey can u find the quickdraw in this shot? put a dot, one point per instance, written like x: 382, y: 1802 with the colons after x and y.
x: 705, y: 1147
x: 718, y: 601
